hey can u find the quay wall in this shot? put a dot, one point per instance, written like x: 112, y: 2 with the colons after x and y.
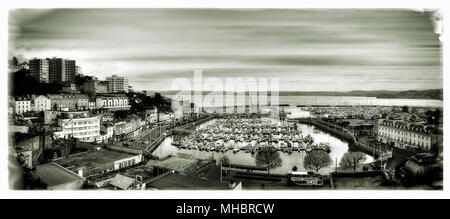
x: 344, y: 135
x: 152, y: 147
x: 125, y: 149
x: 375, y: 151
x: 322, y: 125
x: 183, y: 129
x: 357, y: 174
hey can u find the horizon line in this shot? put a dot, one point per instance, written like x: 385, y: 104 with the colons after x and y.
x: 303, y: 90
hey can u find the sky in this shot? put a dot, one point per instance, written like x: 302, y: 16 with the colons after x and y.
x: 307, y: 50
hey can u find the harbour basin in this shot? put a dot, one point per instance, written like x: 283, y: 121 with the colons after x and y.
x: 289, y: 160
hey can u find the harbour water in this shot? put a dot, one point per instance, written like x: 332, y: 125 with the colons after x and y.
x: 338, y: 148
x: 349, y: 100
x: 330, y: 100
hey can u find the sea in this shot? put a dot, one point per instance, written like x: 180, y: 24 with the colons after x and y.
x: 317, y: 100
x: 350, y: 100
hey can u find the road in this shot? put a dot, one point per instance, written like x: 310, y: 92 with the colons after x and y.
x: 147, y: 136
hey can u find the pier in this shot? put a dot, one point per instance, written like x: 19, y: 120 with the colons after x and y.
x: 244, y: 167
x: 155, y: 143
x: 329, y: 127
x: 345, y: 135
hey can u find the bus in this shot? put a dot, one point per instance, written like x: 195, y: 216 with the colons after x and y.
x: 305, y: 178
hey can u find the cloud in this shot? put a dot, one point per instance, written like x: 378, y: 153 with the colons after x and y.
x: 341, y: 46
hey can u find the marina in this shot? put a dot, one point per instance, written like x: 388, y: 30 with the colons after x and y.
x: 240, y: 154
x: 250, y: 135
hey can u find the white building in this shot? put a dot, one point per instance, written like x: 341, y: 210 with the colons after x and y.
x: 106, y: 132
x: 128, y: 162
x: 69, y: 101
x: 21, y: 105
x: 117, y: 84
x: 153, y: 118
x: 113, y: 102
x: 407, y: 135
x: 100, y: 162
x: 86, y: 129
x: 52, y: 116
x: 42, y: 103
x: 166, y: 116
x: 152, y: 115
x: 92, y: 104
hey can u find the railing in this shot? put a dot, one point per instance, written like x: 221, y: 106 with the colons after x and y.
x: 153, y: 145
x: 245, y: 167
x: 340, y: 132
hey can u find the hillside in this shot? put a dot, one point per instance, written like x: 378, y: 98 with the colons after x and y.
x: 434, y: 94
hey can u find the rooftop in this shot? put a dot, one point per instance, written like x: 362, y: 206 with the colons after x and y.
x: 358, y: 122
x: 67, y: 96
x: 111, y: 95
x: 92, y: 159
x: 54, y: 174
x: 121, y: 181
x: 22, y: 98
x: 180, y: 181
x: 412, y: 126
x: 178, y: 162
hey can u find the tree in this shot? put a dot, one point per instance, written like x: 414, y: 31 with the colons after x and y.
x: 433, y: 116
x: 294, y: 168
x: 352, y: 159
x: 121, y: 114
x: 268, y: 157
x: 225, y: 160
x: 316, y: 159
x: 141, y: 102
x: 22, y: 83
x: 158, y: 98
x: 308, y: 139
x: 14, y: 61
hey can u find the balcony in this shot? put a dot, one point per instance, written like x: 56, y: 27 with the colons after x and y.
x: 67, y: 126
x: 86, y: 136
